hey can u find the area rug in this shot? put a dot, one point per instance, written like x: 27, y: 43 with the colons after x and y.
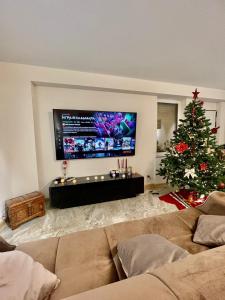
x: 180, y: 200
x: 58, y: 222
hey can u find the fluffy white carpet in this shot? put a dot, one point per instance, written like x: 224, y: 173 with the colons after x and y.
x: 58, y: 222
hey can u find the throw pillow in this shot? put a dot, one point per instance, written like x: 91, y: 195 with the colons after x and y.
x: 22, y: 278
x: 144, y: 253
x: 210, y: 230
x: 4, y: 246
x: 214, y: 205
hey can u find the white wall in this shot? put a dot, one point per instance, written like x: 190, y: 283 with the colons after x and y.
x: 221, y: 122
x: 47, y: 98
x: 19, y: 167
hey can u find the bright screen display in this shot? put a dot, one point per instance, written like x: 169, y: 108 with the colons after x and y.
x: 94, y: 134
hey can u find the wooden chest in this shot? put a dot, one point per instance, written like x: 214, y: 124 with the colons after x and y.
x: 24, y: 208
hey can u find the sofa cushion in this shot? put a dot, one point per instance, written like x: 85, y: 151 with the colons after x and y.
x: 83, y: 262
x: 4, y: 246
x: 210, y: 230
x: 178, y: 227
x: 199, y: 276
x: 44, y: 251
x: 146, y: 252
x: 142, y: 287
x: 23, y: 278
x: 214, y: 205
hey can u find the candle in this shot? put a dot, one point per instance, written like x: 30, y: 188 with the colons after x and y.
x: 118, y: 161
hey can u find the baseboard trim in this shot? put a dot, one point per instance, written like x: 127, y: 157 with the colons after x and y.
x: 155, y: 186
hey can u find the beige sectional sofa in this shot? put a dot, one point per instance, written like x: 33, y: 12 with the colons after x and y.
x: 84, y: 262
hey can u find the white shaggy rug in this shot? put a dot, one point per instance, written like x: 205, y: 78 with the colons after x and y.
x: 59, y: 222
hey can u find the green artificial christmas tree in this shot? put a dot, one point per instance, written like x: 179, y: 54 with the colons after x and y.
x: 193, y: 159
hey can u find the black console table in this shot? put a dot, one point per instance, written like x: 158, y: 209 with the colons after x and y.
x: 91, y: 191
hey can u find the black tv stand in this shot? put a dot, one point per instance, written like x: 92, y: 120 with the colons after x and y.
x: 91, y: 191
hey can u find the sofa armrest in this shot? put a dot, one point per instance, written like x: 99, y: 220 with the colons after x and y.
x: 214, y: 205
x: 142, y: 287
x: 198, y: 276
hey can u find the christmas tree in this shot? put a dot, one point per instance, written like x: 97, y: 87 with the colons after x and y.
x: 193, y: 159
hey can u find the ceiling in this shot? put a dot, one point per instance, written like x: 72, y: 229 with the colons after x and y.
x: 180, y: 41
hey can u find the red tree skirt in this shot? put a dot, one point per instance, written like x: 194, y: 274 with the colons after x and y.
x: 180, y: 199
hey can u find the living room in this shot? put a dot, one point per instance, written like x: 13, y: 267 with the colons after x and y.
x: 103, y: 56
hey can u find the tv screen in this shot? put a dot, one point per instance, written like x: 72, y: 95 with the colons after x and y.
x: 94, y: 134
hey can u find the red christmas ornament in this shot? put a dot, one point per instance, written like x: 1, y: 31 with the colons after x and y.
x: 203, y: 166
x: 181, y: 147
x: 221, y: 185
x: 215, y: 129
x: 201, y: 102
x: 193, y: 112
x: 195, y: 94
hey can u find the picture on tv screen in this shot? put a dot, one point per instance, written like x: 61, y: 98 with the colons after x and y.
x: 94, y: 134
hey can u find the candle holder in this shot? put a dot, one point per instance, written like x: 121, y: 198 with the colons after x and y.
x: 129, y: 171
x: 64, y: 167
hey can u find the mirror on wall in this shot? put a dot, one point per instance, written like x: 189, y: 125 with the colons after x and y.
x: 167, y: 115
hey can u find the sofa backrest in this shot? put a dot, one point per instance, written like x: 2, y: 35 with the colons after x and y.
x: 84, y: 260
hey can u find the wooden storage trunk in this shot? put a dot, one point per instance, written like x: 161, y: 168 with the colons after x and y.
x: 24, y: 208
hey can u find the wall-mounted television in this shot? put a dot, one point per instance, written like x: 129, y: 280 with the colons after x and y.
x: 94, y: 134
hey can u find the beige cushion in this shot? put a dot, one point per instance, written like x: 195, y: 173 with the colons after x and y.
x: 210, y: 230
x: 142, y: 287
x: 83, y: 262
x: 144, y: 253
x: 22, y: 278
x: 180, y: 231
x: 4, y: 246
x: 44, y: 251
x: 214, y: 205
x: 196, y: 277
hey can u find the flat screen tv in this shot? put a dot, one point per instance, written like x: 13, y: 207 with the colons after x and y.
x: 94, y: 134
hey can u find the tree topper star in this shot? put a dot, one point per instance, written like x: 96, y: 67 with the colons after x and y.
x: 195, y: 94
